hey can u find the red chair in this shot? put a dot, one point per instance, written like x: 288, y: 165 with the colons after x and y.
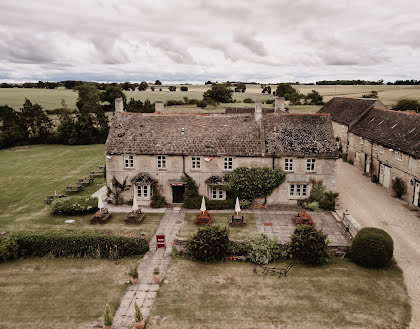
x: 160, y: 241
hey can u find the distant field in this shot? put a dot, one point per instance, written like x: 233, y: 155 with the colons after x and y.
x: 51, y: 99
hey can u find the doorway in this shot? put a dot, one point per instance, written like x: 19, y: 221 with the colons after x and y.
x: 367, y: 164
x: 384, y: 175
x: 178, y: 194
x: 416, y: 199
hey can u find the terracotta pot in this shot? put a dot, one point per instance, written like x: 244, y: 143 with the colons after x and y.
x: 139, y: 325
x: 134, y: 281
x: 156, y: 278
x: 107, y: 327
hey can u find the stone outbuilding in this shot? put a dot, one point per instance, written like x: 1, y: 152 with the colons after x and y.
x: 159, y: 148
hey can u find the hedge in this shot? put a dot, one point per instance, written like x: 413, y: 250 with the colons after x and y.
x: 69, y: 244
x: 74, y: 205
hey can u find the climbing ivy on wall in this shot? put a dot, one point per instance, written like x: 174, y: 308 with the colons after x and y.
x: 252, y: 183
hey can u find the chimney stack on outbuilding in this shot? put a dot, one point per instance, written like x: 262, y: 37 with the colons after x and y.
x: 119, y: 105
x: 258, y: 112
x: 159, y: 107
x: 279, y: 105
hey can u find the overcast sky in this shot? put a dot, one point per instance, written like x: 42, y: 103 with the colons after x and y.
x: 196, y: 41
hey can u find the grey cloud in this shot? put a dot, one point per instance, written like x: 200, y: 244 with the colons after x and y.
x: 248, y: 41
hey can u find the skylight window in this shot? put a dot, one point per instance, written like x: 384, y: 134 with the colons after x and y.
x: 412, y: 130
x: 372, y: 119
x: 381, y: 122
x: 394, y: 126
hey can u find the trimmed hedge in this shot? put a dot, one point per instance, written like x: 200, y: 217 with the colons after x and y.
x: 70, y: 244
x: 210, y: 243
x: 74, y: 205
x: 372, y: 247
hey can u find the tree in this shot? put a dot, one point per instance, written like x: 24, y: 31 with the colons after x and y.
x: 287, y: 91
x: 172, y: 88
x: 109, y: 95
x: 38, y: 124
x: 218, y: 93
x: 407, y: 104
x: 71, y: 84
x: 251, y: 183
x: 128, y: 86
x: 208, y: 83
x: 158, y: 83
x: 143, y: 85
x: 13, y: 130
x: 138, y: 106
x: 240, y: 87
x: 373, y: 94
x: 183, y: 88
x: 314, y: 98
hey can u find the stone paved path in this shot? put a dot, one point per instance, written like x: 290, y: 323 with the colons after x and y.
x: 144, y: 292
x: 281, y: 225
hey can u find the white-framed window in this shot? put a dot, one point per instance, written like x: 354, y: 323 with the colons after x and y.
x: 357, y: 156
x: 288, y: 164
x: 128, y: 161
x: 195, y: 163
x: 342, y: 128
x: 228, y: 164
x: 310, y: 165
x: 298, y: 190
x: 161, y: 161
x: 144, y: 191
x: 398, y: 156
x: 216, y: 193
x: 381, y: 149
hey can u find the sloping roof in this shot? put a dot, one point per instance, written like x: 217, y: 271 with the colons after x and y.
x: 345, y: 109
x: 393, y: 129
x: 203, y: 135
x: 299, y: 135
x: 222, y: 134
x: 243, y: 110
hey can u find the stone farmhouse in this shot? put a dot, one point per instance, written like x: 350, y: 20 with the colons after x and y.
x: 384, y: 144
x: 159, y: 148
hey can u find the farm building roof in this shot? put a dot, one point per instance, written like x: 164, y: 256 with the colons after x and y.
x: 345, y: 110
x: 394, y: 129
x: 221, y: 135
x: 243, y: 110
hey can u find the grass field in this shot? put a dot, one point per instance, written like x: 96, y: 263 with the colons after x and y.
x: 229, y: 295
x: 51, y: 99
x: 60, y: 293
x: 237, y: 232
x: 28, y: 174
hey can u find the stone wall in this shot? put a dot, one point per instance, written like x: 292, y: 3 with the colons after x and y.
x: 351, y: 225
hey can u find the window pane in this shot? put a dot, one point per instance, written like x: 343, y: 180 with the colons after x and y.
x: 139, y: 191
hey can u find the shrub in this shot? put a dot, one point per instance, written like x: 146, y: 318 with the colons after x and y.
x: 374, y: 179
x: 158, y: 200
x: 269, y: 101
x: 220, y: 204
x: 173, y: 102
x: 308, y: 245
x: 399, y: 187
x: 108, y: 318
x: 248, y: 100
x: 237, y: 248
x: 319, y: 194
x: 138, y: 316
x: 351, y: 161
x: 317, y: 191
x: 201, y: 104
x: 70, y: 244
x: 192, y: 199
x: 314, y: 206
x: 262, y: 249
x: 209, y: 244
x: 328, y: 201
x: 244, y: 204
x: 74, y: 205
x: 134, y: 273
x: 183, y: 88
x: 372, y: 247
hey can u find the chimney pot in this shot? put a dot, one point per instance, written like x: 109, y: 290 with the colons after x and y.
x: 119, y: 105
x: 279, y: 105
x: 159, y: 107
x: 258, y: 112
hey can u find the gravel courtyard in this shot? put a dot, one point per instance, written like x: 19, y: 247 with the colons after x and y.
x: 371, y: 205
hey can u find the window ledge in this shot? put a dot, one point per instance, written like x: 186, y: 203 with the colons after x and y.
x: 129, y: 168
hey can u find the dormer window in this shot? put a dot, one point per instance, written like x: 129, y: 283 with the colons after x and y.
x: 398, y: 156
x: 161, y: 162
x: 128, y: 161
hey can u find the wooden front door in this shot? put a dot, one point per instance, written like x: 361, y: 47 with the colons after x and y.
x: 416, y: 200
x: 384, y: 175
x: 178, y: 194
x: 367, y: 164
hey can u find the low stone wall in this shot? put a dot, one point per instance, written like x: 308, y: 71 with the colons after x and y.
x: 180, y: 245
x: 351, y: 225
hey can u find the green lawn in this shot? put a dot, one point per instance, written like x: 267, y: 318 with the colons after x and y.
x: 60, y: 293
x: 237, y: 232
x: 28, y: 174
x: 230, y: 295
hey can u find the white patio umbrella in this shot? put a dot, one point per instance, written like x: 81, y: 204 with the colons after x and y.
x: 100, y: 203
x: 135, y: 205
x: 237, y: 207
x: 203, y: 205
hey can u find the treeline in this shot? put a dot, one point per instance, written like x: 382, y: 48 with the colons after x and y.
x: 405, y: 82
x: 350, y: 82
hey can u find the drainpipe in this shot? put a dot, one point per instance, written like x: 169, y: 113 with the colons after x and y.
x: 274, y: 155
x: 183, y: 163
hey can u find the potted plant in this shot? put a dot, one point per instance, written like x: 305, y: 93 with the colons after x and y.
x: 108, y: 318
x: 156, y: 275
x: 138, y: 317
x: 134, y: 273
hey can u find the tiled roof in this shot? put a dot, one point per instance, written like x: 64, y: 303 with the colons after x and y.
x: 345, y: 110
x: 394, y: 129
x: 243, y: 110
x: 222, y: 134
x: 299, y: 135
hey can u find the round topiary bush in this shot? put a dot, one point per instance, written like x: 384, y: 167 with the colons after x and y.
x: 308, y: 245
x: 209, y: 243
x: 372, y: 247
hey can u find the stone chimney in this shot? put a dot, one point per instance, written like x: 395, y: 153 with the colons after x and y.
x: 119, y: 105
x: 279, y: 105
x: 158, y: 107
x: 258, y: 112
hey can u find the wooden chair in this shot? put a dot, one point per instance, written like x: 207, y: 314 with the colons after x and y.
x: 303, y: 218
x: 134, y: 217
x: 160, y: 241
x: 101, y: 216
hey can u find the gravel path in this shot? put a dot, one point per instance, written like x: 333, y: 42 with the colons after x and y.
x: 371, y: 205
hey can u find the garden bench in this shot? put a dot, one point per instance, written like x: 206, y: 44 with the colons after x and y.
x: 134, y: 217
x: 96, y: 173
x: 273, y: 270
x: 101, y: 216
x: 51, y: 197
x: 203, y: 218
x: 86, y: 180
x: 74, y: 188
x: 233, y: 220
x: 303, y: 218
